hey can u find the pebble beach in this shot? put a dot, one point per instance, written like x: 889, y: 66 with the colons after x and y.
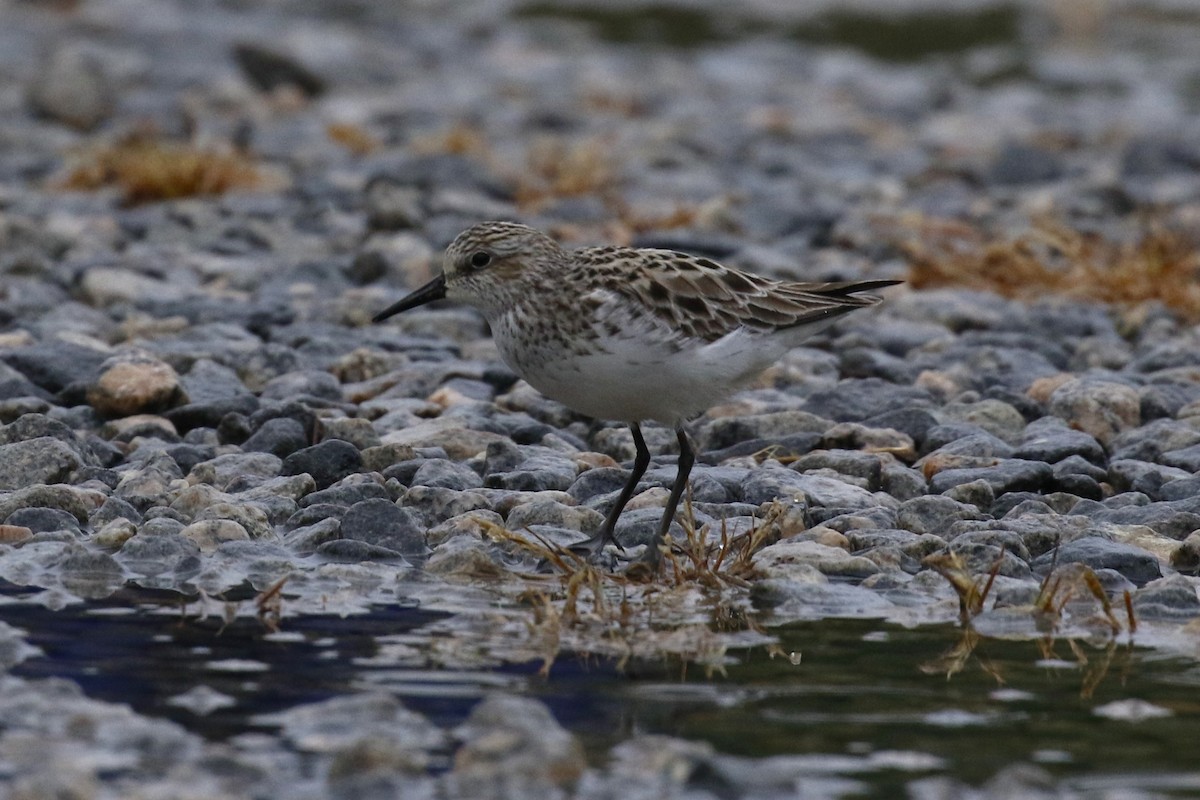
x: 202, y: 205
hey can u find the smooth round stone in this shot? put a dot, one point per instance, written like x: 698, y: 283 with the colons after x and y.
x: 212, y: 533
x: 1096, y: 552
x: 44, y: 519
x: 381, y: 523
x: 934, y: 514
x: 33, y: 461
x: 280, y: 437
x: 1099, y: 408
x: 135, y: 384
x: 327, y: 462
x: 445, y: 474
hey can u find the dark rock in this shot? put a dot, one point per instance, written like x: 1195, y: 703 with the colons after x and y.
x: 1007, y: 475
x: 346, y: 494
x: 40, y: 520
x: 1150, y: 441
x: 280, y: 436
x: 1174, y: 519
x: 598, y: 482
x: 848, y: 462
x: 312, y: 514
x: 303, y: 383
x: 1128, y: 475
x: 1049, y: 439
x: 437, y: 504
x: 381, y: 523
x: 1019, y: 164
x: 785, y: 446
x: 1186, y: 458
x: 113, y: 508
x: 914, y: 421
x: 965, y: 439
x: 53, y: 366
x: 1097, y: 552
x: 855, y: 399
x: 724, y: 432
x: 1155, y: 155
x: 354, y: 551
x: 327, y: 462
x: 1173, y: 597
x: 538, y: 473
x: 155, y: 553
x: 189, y: 455
x: 33, y: 461
x: 1078, y: 465
x: 933, y: 514
x: 446, y: 474
x: 210, y: 413
x: 268, y: 70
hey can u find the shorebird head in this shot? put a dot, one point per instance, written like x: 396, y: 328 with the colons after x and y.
x: 483, y: 267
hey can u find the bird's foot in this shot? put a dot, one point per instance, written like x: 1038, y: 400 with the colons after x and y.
x: 645, y: 567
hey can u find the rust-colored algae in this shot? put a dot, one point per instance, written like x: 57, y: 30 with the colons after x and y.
x: 148, y: 169
x: 1161, y: 263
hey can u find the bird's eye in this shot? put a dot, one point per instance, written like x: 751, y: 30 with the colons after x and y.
x: 480, y: 259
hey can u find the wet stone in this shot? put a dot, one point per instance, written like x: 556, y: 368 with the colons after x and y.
x: 303, y: 383
x: 280, y: 437
x: 548, y: 512
x: 1050, y: 440
x: 1129, y: 475
x: 436, y: 504
x: 445, y: 474
x: 345, y: 494
x: 381, y: 523
x: 44, y: 519
x: 978, y: 493
x: 307, y: 538
x: 513, y: 747
x: 934, y: 514
x: 210, y: 534
x: 725, y: 432
x: 1172, y: 597
x: 223, y: 470
x: 965, y: 439
x: 327, y: 462
x: 352, y: 551
x: 1097, y: 552
x: 41, y: 460
x: 153, y: 553
x: 1007, y: 475
x: 1099, y: 408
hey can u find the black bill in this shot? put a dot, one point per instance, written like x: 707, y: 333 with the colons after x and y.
x: 434, y: 290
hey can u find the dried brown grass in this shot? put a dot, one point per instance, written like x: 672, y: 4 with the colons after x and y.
x: 149, y: 169
x: 1161, y: 264
x: 354, y: 138
x: 555, y: 167
x: 642, y: 613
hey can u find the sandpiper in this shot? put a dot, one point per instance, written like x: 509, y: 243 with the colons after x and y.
x: 630, y: 334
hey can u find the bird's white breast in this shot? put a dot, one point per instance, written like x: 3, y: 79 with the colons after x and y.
x: 630, y: 366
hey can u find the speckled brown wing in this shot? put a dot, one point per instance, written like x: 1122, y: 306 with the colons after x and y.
x: 704, y: 300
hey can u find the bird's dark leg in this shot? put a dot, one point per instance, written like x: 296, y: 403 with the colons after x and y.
x: 595, y: 545
x: 687, y: 457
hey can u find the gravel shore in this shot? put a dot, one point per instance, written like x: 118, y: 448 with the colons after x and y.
x: 193, y: 398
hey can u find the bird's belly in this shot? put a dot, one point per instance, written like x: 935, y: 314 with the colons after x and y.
x: 642, y: 382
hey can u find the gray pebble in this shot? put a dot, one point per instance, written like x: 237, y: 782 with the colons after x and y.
x: 1097, y: 552
x: 381, y: 523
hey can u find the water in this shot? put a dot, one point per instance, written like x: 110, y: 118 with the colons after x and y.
x: 874, y: 705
